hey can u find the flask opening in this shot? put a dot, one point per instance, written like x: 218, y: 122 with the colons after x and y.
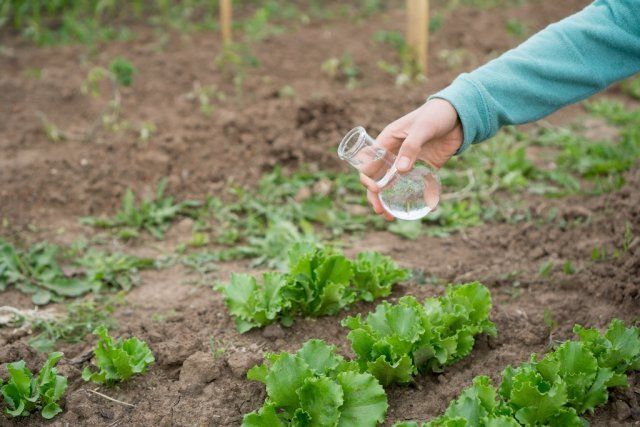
x: 351, y: 143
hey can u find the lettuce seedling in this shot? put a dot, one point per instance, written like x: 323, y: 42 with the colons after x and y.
x: 555, y: 390
x: 254, y: 304
x: 319, y: 282
x: 573, y: 379
x: 396, y: 342
x: 117, y: 360
x: 316, y: 387
x: 23, y: 393
x: 375, y: 274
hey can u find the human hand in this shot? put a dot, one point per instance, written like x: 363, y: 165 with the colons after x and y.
x: 432, y: 133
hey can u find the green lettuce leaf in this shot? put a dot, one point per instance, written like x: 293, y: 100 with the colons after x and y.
x: 375, y: 275
x: 395, y: 342
x: 117, y: 360
x: 24, y: 393
x: 316, y: 387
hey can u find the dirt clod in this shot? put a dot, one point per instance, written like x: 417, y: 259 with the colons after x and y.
x: 241, y: 361
x: 273, y: 332
x: 621, y: 410
x: 199, y: 368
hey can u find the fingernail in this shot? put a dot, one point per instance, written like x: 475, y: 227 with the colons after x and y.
x: 403, y: 162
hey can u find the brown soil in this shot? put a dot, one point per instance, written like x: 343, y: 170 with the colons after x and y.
x: 51, y: 184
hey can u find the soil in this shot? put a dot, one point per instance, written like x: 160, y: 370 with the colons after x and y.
x: 46, y: 186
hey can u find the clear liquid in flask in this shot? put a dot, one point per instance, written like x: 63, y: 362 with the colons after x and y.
x: 411, y: 195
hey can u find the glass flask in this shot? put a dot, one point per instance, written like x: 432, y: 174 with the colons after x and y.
x: 408, y: 196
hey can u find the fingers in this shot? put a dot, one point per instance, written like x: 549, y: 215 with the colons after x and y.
x: 395, y: 132
x: 374, y: 200
x: 369, y: 183
x: 418, y: 135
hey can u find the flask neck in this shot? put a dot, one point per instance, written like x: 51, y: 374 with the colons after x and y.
x: 365, y: 154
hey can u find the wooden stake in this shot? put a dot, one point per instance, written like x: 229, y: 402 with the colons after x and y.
x: 418, y: 31
x: 225, y: 20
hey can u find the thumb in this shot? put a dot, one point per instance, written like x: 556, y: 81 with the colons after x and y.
x: 410, y: 149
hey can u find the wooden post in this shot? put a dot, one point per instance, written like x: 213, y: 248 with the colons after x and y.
x: 225, y: 20
x: 418, y: 31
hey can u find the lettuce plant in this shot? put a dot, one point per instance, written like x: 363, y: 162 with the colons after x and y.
x: 395, y: 342
x: 24, y: 393
x: 555, y: 390
x: 316, y: 387
x: 319, y: 282
x: 117, y: 360
x: 254, y: 304
x: 375, y: 274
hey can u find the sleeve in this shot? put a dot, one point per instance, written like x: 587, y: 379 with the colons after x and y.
x: 562, y: 64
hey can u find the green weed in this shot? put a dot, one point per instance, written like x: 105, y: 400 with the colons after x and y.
x: 409, y: 69
x: 342, y: 69
x: 516, y: 28
x: 204, y: 96
x: 80, y: 318
x: 96, y: 21
x: 631, y: 87
x: 153, y: 215
x: 44, y: 271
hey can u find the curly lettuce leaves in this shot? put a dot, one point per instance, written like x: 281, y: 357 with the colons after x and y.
x: 320, y: 282
x: 316, y: 387
x: 396, y: 342
x: 555, y: 390
x: 117, y: 360
x: 24, y: 393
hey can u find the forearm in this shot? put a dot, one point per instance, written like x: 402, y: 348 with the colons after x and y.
x: 562, y: 64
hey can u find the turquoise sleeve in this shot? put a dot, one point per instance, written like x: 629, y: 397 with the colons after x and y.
x: 562, y: 64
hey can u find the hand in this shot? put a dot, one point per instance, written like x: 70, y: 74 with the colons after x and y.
x: 432, y: 133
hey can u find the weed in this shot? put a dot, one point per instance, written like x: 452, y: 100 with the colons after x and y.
x: 216, y: 350
x: 409, y: 70
x: 145, y: 131
x: 38, y: 271
x: 342, y: 69
x: 163, y: 316
x: 568, y: 269
x: 453, y: 58
x: 91, y: 22
x: 547, y: 317
x: 286, y: 91
x: 53, y: 132
x: 516, y: 28
x: 628, y: 237
x: 153, y: 215
x: 258, y: 27
x: 234, y: 61
x: 599, y: 254
x: 631, y: 87
x: 436, y: 21
x: 203, y: 263
x: 204, y: 96
x: 545, y: 269
x: 122, y: 71
x: 113, y: 270
x: 372, y: 7
x: 80, y: 318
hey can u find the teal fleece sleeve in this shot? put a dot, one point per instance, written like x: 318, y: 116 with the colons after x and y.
x: 562, y: 64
